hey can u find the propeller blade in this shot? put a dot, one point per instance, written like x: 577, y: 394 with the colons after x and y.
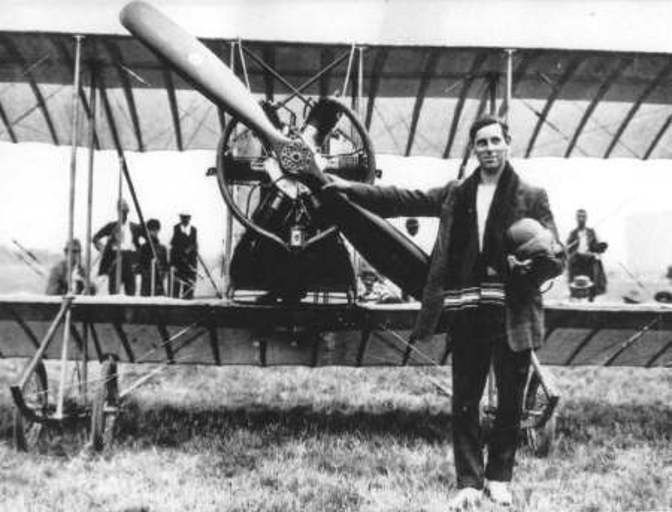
x: 388, y: 250
x: 197, y: 65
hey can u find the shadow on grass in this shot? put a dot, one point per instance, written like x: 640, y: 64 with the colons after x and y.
x: 579, y: 422
x: 590, y: 421
x: 171, y: 425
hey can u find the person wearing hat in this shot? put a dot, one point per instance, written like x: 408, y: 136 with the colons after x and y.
x: 583, y: 250
x: 157, y: 260
x: 58, y: 283
x: 122, y: 242
x: 184, y: 257
x: 498, y: 315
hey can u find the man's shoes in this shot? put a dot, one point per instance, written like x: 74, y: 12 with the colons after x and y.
x: 468, y: 498
x: 499, y: 493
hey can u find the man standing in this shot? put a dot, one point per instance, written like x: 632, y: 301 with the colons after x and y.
x: 184, y: 257
x: 498, y: 316
x: 584, y: 249
x: 119, y: 253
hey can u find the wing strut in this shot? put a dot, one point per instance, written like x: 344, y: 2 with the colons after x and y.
x: 603, y: 89
x: 657, y: 138
x: 427, y: 73
x: 638, y: 103
x: 41, y: 103
x: 374, y: 84
x: 479, y: 60
x: 557, y: 89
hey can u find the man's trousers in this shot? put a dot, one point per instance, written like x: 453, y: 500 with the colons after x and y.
x: 479, y: 339
x: 127, y: 273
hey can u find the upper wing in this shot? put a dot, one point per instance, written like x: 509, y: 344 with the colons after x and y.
x: 417, y: 97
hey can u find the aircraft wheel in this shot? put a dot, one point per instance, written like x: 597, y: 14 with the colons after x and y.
x: 105, y: 405
x: 28, y: 433
x: 538, y: 428
x: 541, y: 440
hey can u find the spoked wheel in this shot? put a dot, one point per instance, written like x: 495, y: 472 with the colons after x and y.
x: 539, y: 418
x: 28, y: 431
x: 105, y: 405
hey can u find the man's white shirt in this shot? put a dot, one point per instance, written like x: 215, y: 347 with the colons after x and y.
x: 484, y: 194
x: 126, y: 237
x: 583, y: 241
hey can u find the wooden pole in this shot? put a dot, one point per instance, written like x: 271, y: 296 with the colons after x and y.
x: 360, y: 82
x: 71, y: 226
x: 73, y: 160
x: 89, y: 213
x: 117, y: 260
x: 89, y: 196
x: 492, y: 90
x: 152, y: 278
x: 228, y: 239
x: 509, y: 85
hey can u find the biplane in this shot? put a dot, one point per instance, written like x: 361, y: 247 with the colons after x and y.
x: 291, y: 293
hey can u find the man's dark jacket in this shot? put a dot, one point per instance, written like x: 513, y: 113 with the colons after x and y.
x: 184, y: 249
x: 145, y: 257
x: 111, y: 232
x: 456, y: 250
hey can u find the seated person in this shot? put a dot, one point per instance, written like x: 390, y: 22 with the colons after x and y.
x: 373, y: 288
x: 57, y: 283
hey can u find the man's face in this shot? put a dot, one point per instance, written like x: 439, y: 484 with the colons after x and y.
x: 412, y: 228
x: 184, y: 219
x: 491, y: 148
x: 581, y: 218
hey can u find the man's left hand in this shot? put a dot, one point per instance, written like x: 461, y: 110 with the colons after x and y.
x: 521, y: 267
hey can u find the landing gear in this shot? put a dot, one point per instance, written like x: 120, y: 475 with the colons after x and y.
x: 105, y: 405
x: 539, y: 418
x: 28, y: 426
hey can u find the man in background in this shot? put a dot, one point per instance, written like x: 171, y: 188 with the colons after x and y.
x: 184, y: 257
x: 412, y: 226
x: 119, y: 252
x: 58, y: 282
x: 584, y: 249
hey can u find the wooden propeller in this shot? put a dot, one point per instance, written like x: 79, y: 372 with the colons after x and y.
x: 388, y: 250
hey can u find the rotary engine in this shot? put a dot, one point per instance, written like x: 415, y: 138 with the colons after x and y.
x: 290, y: 246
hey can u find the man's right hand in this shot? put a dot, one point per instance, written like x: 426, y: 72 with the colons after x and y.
x: 338, y: 184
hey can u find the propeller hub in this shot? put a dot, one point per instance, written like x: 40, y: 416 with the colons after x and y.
x: 295, y: 157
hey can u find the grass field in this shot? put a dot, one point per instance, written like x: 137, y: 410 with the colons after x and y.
x: 340, y: 439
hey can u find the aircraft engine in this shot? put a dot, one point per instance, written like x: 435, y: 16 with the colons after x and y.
x: 289, y: 246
